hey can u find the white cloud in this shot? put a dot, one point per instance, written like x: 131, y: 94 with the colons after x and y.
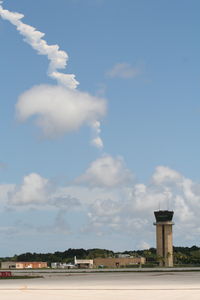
x: 115, y: 204
x: 34, y: 190
x: 38, y: 192
x: 59, y: 110
x: 124, y: 70
x: 106, y: 172
x: 130, y: 208
x: 147, y: 198
x: 165, y: 175
x: 185, y: 213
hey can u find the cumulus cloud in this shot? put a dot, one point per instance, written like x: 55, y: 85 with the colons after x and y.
x: 130, y: 208
x: 34, y: 189
x: 164, y: 175
x: 124, y: 70
x: 59, y: 110
x: 37, y: 191
x: 106, y: 171
x: 115, y: 203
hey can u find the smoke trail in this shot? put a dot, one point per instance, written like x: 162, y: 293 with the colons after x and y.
x: 58, y: 58
x: 97, y: 141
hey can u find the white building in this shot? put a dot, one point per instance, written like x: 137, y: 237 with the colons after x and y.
x: 83, y: 263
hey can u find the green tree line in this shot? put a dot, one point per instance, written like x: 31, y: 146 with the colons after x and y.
x: 182, y: 255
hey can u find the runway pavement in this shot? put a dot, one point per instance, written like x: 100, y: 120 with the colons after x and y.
x: 106, y: 286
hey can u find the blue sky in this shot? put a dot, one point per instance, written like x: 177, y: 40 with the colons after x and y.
x: 86, y: 166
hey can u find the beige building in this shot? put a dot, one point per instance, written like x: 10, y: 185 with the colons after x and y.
x: 23, y: 265
x: 164, y: 241
x: 112, y: 262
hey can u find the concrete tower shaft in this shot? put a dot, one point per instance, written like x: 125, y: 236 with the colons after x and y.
x: 164, y: 237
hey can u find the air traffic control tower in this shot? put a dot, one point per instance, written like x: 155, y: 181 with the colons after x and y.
x: 164, y: 237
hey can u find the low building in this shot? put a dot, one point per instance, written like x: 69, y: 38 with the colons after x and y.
x: 23, y: 265
x: 118, y: 262
x: 83, y: 263
x: 58, y: 265
x: 8, y: 265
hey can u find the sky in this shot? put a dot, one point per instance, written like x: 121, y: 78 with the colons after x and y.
x: 100, y: 122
